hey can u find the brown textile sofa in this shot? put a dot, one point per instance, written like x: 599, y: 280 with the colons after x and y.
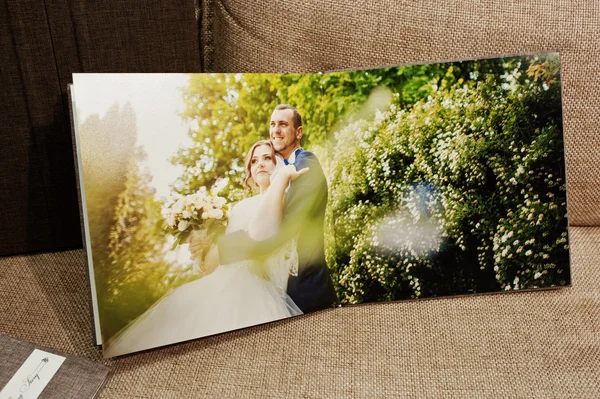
x: 528, y: 344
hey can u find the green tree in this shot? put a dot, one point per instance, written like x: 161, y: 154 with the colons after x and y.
x: 104, y: 166
x: 136, y: 277
x: 231, y: 112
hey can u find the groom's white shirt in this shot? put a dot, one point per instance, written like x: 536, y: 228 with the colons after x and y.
x: 292, y: 157
x: 279, y: 162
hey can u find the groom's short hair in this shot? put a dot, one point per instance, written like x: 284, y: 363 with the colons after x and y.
x: 297, y: 118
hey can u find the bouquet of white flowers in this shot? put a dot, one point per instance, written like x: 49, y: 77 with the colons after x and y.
x: 199, y: 211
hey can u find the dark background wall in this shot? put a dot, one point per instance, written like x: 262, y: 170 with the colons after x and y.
x: 43, y: 43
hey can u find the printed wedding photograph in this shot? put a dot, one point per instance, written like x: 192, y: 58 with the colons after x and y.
x: 215, y: 202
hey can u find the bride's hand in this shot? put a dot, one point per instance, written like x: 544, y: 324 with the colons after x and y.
x: 210, y: 261
x: 198, y: 243
x: 292, y: 174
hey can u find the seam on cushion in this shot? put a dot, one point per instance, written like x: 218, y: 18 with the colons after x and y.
x: 204, y: 17
x: 75, y: 36
x: 198, y: 16
x: 229, y: 16
x: 53, y: 46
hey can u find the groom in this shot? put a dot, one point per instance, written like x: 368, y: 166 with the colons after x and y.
x: 303, y: 217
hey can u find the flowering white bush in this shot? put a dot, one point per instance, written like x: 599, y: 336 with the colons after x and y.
x: 197, y: 211
x: 464, y: 192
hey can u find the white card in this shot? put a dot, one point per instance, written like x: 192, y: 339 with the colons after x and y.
x: 33, y: 376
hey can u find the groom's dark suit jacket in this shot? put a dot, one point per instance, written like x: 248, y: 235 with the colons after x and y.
x: 303, y: 216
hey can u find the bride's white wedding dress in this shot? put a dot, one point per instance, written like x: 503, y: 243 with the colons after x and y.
x: 230, y: 298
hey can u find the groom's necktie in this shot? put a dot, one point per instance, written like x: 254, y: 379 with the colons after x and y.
x: 298, y: 151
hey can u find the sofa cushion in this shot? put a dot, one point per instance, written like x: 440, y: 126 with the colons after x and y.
x: 319, y: 35
x: 523, y: 344
x: 43, y: 43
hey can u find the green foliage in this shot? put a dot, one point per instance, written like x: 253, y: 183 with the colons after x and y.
x: 104, y: 166
x: 232, y: 111
x: 463, y: 192
x: 125, y: 222
x: 136, y: 275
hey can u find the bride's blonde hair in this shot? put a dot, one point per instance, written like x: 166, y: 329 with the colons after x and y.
x: 249, y: 161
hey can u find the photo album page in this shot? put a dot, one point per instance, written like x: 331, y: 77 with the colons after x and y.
x: 218, y: 201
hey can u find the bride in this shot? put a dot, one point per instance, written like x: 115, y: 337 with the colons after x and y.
x: 230, y: 296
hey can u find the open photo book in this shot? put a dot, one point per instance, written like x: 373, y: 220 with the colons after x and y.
x: 218, y: 201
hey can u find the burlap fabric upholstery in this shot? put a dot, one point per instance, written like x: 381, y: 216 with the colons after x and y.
x: 529, y: 344
x: 520, y: 345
